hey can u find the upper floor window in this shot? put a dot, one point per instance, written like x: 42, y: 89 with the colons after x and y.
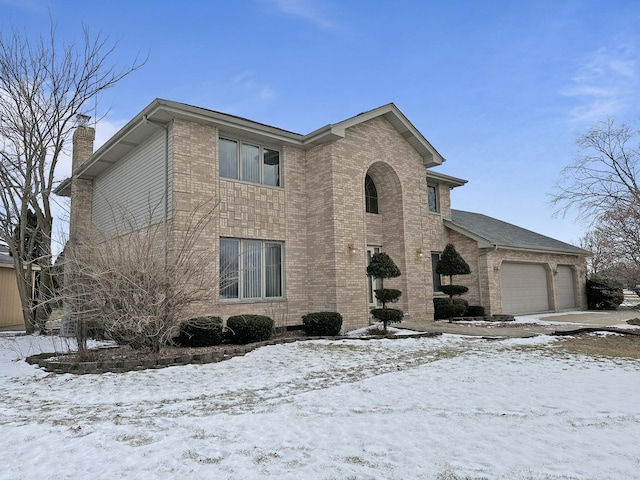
x: 370, y: 195
x: 432, y: 194
x: 248, y: 162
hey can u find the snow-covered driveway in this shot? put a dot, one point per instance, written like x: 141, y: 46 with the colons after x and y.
x: 433, y: 408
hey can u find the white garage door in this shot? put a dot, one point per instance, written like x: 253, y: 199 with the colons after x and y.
x: 566, y: 288
x: 524, y: 288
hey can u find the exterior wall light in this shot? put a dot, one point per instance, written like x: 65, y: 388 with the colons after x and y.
x: 419, y: 253
x: 351, y: 247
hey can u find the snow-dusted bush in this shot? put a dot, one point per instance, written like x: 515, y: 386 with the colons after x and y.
x: 322, y: 323
x: 249, y: 328
x: 200, y: 332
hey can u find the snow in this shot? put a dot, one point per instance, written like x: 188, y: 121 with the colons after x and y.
x: 446, y: 407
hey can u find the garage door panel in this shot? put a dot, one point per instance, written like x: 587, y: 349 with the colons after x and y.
x: 566, y: 288
x: 525, y: 288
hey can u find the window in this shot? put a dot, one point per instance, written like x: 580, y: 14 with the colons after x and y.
x: 370, y: 195
x: 432, y: 193
x: 250, y: 269
x: 248, y: 162
x: 437, y: 279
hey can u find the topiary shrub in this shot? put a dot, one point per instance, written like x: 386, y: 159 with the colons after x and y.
x: 244, y: 329
x: 443, y: 310
x: 387, y: 315
x: 445, y: 300
x: 448, y: 310
x: 474, y: 311
x: 451, y: 263
x: 382, y: 266
x: 322, y: 323
x: 200, y: 332
x: 602, y: 295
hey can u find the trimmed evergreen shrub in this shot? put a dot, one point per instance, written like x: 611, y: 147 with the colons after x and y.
x: 474, y: 311
x: 603, y: 295
x: 244, y: 329
x: 387, y: 295
x: 453, y: 290
x: 387, y: 315
x: 200, y: 332
x: 445, y: 300
x: 448, y: 310
x: 322, y: 323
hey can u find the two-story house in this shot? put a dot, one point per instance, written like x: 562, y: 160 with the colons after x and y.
x: 298, y: 216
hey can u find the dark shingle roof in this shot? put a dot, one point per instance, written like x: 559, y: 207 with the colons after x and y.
x: 502, y: 234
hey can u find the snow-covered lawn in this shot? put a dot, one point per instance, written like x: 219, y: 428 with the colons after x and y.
x: 431, y: 408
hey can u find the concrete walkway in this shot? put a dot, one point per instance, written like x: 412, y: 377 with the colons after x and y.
x: 527, y: 325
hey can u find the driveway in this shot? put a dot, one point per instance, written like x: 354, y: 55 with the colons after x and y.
x: 529, y: 325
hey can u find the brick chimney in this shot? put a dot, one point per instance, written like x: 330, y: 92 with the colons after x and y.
x: 81, y: 189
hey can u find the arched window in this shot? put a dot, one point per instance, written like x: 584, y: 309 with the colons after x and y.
x: 370, y: 195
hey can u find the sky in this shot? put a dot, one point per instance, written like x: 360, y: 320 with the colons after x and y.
x: 502, y: 89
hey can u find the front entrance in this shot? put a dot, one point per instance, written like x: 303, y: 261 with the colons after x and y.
x: 373, y: 282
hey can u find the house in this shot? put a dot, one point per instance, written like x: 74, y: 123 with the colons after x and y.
x: 300, y: 215
x: 10, y: 305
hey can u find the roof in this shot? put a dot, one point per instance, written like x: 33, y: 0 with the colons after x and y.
x: 6, y: 260
x: 493, y: 233
x: 161, y: 112
x: 445, y: 179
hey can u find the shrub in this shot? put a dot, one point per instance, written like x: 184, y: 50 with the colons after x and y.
x: 387, y: 315
x: 602, y: 295
x: 249, y: 328
x: 453, y: 290
x: 474, y: 311
x: 200, y: 332
x: 322, y: 323
x: 449, y: 310
x: 445, y: 300
x: 634, y: 321
x: 387, y: 295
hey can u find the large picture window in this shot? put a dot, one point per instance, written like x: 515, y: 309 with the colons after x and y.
x: 249, y: 162
x: 250, y: 269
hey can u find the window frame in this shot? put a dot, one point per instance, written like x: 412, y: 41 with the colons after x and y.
x: 240, y: 276
x: 264, y: 151
x: 436, y: 197
x: 369, y: 199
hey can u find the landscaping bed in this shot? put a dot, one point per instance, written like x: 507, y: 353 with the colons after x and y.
x: 122, y: 358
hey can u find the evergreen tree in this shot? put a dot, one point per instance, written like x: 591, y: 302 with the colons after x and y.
x: 382, y: 266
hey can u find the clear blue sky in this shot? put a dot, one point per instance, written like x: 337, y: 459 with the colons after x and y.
x: 500, y: 88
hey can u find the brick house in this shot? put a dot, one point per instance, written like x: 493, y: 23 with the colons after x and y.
x: 299, y: 215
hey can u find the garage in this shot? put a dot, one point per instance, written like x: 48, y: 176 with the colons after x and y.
x: 524, y: 288
x: 566, y: 288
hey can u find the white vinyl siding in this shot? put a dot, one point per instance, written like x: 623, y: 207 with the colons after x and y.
x: 524, y: 288
x: 131, y: 194
x: 566, y: 288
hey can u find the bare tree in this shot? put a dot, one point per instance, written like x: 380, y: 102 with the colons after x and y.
x: 125, y: 284
x: 603, y: 178
x: 44, y: 85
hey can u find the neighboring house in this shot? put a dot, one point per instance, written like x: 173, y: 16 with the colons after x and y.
x: 299, y: 215
x: 10, y: 306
